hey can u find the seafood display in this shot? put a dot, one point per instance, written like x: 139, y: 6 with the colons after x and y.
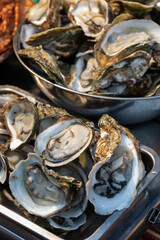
x: 108, y: 48
x: 54, y: 163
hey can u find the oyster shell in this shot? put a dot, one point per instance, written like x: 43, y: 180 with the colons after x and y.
x: 139, y: 89
x: 14, y: 157
x: 90, y: 15
x: 74, y: 216
x: 4, y: 142
x: 6, y: 97
x: 48, y: 115
x: 38, y: 193
x: 64, y: 141
x: 113, y: 181
x: 139, y: 7
x: 79, y: 202
x: 21, y: 118
x: 3, y: 129
x: 67, y: 224
x: 45, y: 14
x: 125, y: 38
x: 63, y: 41
x: 27, y: 30
x: 130, y: 70
x: 45, y: 60
x: 83, y: 73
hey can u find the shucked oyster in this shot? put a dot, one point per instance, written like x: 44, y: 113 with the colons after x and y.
x: 83, y: 73
x: 128, y: 71
x: 114, y: 178
x: 45, y: 14
x: 125, y: 38
x: 91, y: 15
x: 39, y: 193
x: 21, y: 118
x: 64, y: 141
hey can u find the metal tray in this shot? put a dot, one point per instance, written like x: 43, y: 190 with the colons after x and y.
x: 125, y: 224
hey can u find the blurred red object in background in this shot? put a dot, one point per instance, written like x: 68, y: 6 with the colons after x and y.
x: 11, y: 14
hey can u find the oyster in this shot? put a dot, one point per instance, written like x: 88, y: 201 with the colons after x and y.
x: 64, y: 141
x: 27, y: 30
x: 67, y: 224
x: 139, y: 7
x: 79, y: 202
x: 63, y: 41
x: 113, y: 181
x: 45, y: 60
x: 125, y: 38
x: 45, y: 14
x: 74, y: 216
x: 21, y: 118
x: 139, y: 89
x: 90, y: 15
x: 130, y: 70
x: 83, y: 73
x: 48, y: 115
x: 38, y: 193
x: 14, y: 157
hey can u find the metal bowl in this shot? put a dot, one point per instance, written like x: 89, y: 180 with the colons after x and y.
x: 125, y: 110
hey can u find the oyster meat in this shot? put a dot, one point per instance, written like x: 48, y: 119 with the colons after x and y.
x: 113, y: 180
x: 38, y: 193
x: 125, y: 38
x: 90, y: 15
x: 64, y: 141
x: 21, y: 119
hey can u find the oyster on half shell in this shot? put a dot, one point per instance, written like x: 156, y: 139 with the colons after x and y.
x: 64, y: 141
x: 90, y: 15
x: 45, y: 14
x: 113, y: 180
x: 21, y: 118
x: 36, y: 191
x: 125, y: 38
